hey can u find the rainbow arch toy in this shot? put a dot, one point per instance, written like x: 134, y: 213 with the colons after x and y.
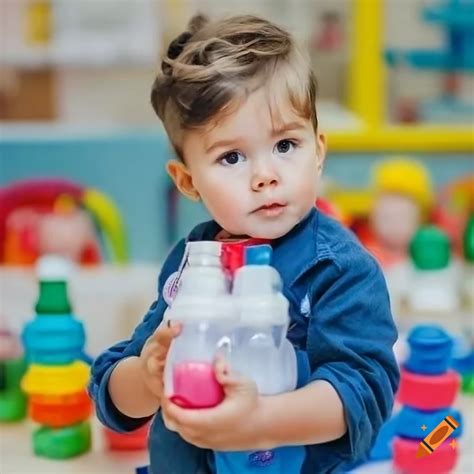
x: 43, y: 194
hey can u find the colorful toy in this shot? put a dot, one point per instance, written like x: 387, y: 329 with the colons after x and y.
x: 12, y: 368
x: 427, y: 391
x: 463, y: 361
x: 405, y: 460
x: 431, y: 350
x: 454, y: 206
x: 135, y: 440
x: 468, y: 253
x: 33, y: 213
x: 56, y: 378
x: 409, y: 420
x: 434, y: 286
x: 62, y: 443
x: 331, y: 36
x: 402, y: 200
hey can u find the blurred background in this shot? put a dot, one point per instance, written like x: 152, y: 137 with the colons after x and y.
x: 82, y: 165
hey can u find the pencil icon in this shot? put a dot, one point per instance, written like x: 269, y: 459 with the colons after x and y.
x: 436, y: 437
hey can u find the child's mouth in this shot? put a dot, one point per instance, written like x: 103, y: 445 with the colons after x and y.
x: 271, y: 210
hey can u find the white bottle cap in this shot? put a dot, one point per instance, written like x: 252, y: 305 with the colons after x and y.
x: 53, y: 268
x: 206, y: 253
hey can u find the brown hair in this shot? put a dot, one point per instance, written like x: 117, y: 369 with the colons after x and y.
x: 212, y: 64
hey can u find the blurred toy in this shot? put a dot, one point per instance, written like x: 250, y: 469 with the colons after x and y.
x: 454, y: 206
x: 457, y: 18
x: 406, y: 110
x: 427, y: 390
x: 134, y: 440
x: 331, y: 35
x: 12, y: 368
x: 434, y: 284
x: 463, y: 360
x: 351, y: 204
x: 468, y: 252
x: 57, y: 216
x: 402, y: 201
x: 332, y: 210
x: 56, y: 378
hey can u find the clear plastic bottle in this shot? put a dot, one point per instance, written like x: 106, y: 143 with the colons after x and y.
x: 204, y: 307
x: 262, y: 351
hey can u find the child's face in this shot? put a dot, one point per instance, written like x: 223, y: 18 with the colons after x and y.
x: 256, y: 175
x: 395, y: 219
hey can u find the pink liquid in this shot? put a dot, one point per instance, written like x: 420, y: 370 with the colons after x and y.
x: 195, y: 385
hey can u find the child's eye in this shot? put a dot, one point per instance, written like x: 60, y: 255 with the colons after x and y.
x: 284, y: 146
x: 230, y: 159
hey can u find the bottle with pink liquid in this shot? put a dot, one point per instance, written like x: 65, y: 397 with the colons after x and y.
x: 204, y: 307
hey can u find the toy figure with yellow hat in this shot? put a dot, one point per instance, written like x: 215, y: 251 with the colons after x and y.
x: 402, y: 201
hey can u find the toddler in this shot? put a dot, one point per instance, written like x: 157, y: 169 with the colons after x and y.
x: 237, y: 99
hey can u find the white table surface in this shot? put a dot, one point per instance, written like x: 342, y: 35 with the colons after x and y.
x: 16, y: 456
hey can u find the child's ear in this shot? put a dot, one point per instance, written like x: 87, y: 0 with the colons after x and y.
x: 182, y: 179
x: 321, y: 151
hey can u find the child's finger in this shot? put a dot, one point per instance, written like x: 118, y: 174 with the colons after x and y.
x: 166, y: 333
x: 155, y: 365
x: 223, y: 373
x: 169, y: 423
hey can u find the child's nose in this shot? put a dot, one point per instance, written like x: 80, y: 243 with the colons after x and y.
x: 264, y: 177
x: 264, y: 174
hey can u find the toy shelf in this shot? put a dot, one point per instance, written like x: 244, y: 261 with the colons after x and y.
x: 366, y: 99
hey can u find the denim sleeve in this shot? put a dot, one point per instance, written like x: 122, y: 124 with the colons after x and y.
x: 104, y: 365
x: 350, y: 345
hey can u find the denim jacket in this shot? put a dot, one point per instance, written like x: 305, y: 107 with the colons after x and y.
x: 340, y: 320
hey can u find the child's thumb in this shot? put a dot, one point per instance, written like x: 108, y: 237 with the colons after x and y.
x: 231, y: 382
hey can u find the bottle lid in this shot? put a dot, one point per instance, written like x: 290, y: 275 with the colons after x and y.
x: 429, y: 336
x: 430, y: 249
x: 53, y: 274
x: 468, y: 240
x: 258, y: 255
x: 204, y: 247
x: 53, y: 268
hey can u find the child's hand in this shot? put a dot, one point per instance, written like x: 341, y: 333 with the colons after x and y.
x: 233, y: 425
x: 153, y: 356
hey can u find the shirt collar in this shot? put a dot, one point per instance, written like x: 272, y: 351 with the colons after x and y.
x: 299, y: 244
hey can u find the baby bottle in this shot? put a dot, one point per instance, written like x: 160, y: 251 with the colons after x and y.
x: 203, y: 306
x: 261, y: 350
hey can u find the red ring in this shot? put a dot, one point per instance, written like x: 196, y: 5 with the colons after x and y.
x: 441, y: 461
x: 428, y: 392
